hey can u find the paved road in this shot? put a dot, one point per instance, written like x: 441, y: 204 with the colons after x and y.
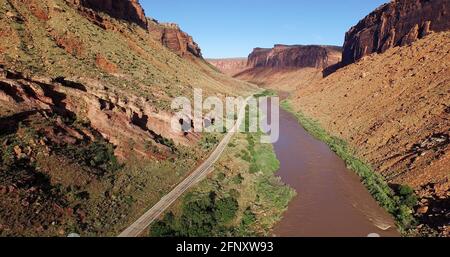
x: 199, y: 174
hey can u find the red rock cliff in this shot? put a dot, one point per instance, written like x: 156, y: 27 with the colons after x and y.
x: 230, y: 66
x: 397, y: 23
x: 171, y: 36
x: 128, y: 10
x: 283, y: 56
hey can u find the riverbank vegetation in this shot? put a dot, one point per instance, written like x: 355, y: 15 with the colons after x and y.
x: 397, y: 201
x: 267, y: 92
x: 241, y: 197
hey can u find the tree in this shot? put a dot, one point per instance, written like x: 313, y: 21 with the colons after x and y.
x: 197, y: 219
x: 226, y: 209
x: 407, y: 195
x: 165, y: 227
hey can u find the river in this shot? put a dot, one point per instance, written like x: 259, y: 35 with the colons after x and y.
x: 331, y: 201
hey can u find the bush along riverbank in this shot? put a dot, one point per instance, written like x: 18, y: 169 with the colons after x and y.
x: 399, y: 201
x: 241, y: 197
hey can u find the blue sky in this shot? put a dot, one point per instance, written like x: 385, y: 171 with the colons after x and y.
x: 232, y: 28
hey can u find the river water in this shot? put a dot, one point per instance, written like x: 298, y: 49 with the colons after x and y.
x: 331, y: 201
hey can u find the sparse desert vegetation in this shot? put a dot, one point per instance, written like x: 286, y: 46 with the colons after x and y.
x: 242, y: 197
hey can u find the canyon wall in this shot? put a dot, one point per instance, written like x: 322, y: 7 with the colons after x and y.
x: 172, y: 37
x: 397, y: 23
x: 168, y: 34
x: 128, y: 10
x: 297, y: 56
x: 230, y: 66
x: 280, y: 57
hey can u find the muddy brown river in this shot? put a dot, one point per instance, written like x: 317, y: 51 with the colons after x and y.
x: 331, y: 201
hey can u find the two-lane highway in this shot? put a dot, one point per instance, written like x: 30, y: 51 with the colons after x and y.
x: 199, y: 174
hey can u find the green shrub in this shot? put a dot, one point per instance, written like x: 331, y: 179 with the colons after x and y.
x: 238, y: 179
x: 209, y: 141
x: 164, y: 228
x: 225, y: 210
x: 246, y: 156
x: 165, y: 141
x: 253, y: 168
x: 198, y: 218
x: 221, y: 176
x: 98, y: 155
x: 407, y: 196
x: 201, y: 216
x: 248, y: 218
x: 267, y: 92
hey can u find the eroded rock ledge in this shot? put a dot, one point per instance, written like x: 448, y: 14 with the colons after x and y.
x: 128, y: 10
x: 120, y: 118
x: 171, y: 36
x: 397, y: 23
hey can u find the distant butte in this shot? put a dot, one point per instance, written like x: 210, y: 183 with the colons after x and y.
x: 294, y: 56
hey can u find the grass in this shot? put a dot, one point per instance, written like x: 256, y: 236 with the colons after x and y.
x: 234, y: 201
x: 398, y: 204
x: 267, y: 92
x: 242, y: 198
x: 79, y: 187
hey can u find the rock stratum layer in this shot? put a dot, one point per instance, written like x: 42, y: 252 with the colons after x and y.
x: 168, y: 34
x: 230, y: 66
x: 298, y: 56
x: 283, y: 68
x: 129, y: 10
x: 172, y: 37
x: 397, y: 23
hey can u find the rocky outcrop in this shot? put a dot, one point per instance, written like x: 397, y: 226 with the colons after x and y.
x: 172, y: 37
x: 397, y: 23
x: 230, y: 66
x: 121, y: 118
x: 128, y: 10
x: 168, y: 34
x: 297, y: 56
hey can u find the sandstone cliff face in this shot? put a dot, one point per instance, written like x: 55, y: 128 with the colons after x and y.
x: 398, y: 23
x: 168, y: 34
x: 172, y: 37
x: 283, y: 56
x: 128, y: 10
x: 120, y: 117
x: 230, y: 66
